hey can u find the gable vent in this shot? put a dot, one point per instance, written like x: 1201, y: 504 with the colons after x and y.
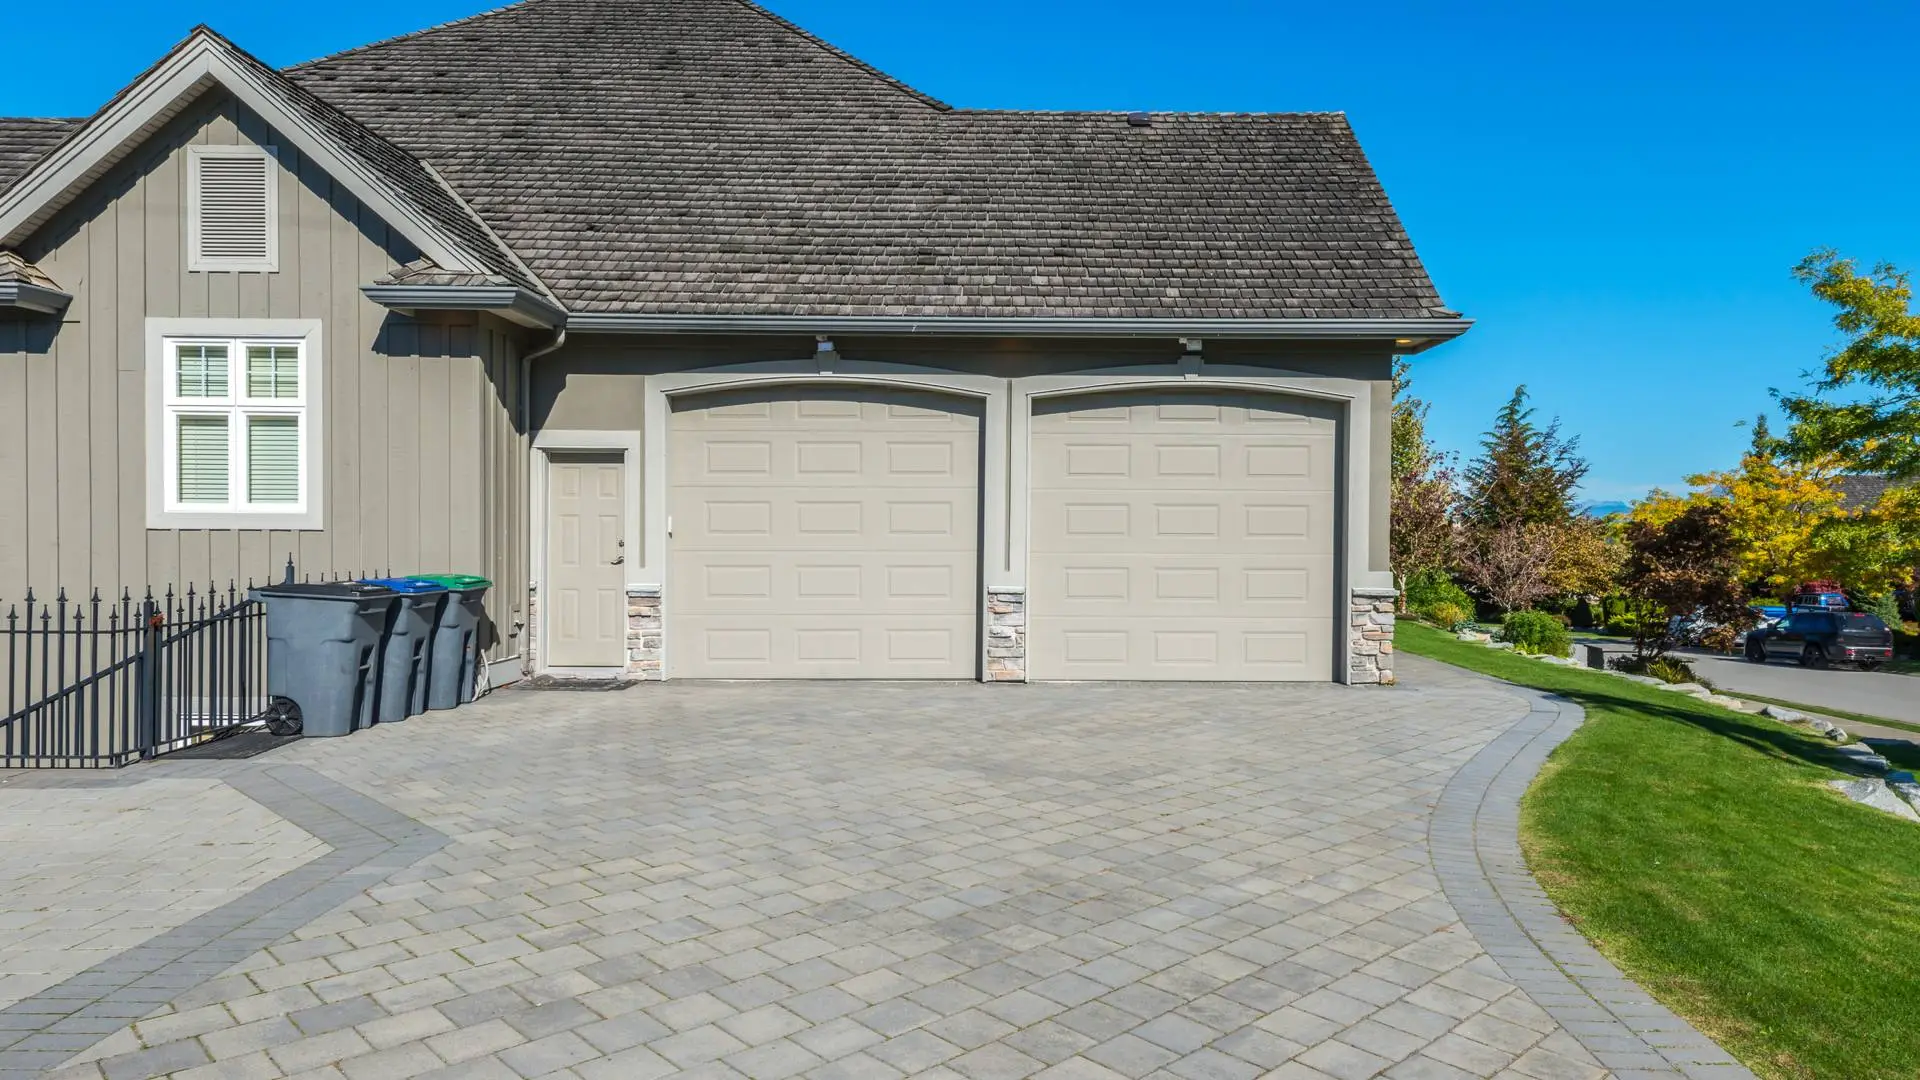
x: 232, y: 213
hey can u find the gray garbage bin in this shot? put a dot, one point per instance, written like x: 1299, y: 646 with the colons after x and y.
x: 405, y: 651
x: 323, y: 644
x: 456, y: 642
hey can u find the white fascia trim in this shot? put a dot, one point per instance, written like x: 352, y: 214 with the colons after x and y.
x: 149, y: 103
x: 510, y: 302
x: 1421, y: 333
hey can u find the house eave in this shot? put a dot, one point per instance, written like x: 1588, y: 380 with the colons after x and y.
x: 20, y: 296
x: 1406, y: 335
x: 510, y: 302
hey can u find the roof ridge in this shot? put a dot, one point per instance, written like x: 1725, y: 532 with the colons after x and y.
x: 42, y: 119
x: 408, y: 36
x: 842, y: 55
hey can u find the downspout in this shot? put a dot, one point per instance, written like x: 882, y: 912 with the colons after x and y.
x: 526, y: 427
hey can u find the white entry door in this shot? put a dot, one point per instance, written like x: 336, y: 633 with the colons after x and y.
x: 584, y: 597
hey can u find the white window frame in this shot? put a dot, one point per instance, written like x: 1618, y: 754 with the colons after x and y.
x: 197, y: 262
x: 165, y: 406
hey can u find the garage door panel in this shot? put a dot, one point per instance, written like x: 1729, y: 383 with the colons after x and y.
x: 1180, y: 586
x: 796, y: 583
x: 1175, y: 462
x: 824, y: 533
x: 1066, y: 521
x: 824, y: 647
x: 1192, y: 649
x: 1183, y: 537
x: 753, y: 518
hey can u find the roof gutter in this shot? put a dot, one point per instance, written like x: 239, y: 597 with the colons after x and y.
x: 1410, y: 334
x: 510, y: 302
x: 22, y: 296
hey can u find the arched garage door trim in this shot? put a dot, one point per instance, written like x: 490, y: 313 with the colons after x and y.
x: 664, y: 391
x: 1353, y: 398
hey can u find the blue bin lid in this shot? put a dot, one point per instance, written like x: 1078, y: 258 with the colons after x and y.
x: 406, y: 584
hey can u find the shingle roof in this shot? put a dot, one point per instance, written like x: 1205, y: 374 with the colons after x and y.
x: 704, y: 156
x: 25, y: 140
x: 1860, y: 490
x: 16, y: 269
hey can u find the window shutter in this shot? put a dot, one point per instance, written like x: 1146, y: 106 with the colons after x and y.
x: 273, y: 371
x: 273, y: 459
x: 203, y: 459
x: 234, y: 208
x: 203, y: 371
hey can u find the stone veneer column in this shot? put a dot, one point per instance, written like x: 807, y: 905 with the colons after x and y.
x: 1370, y: 644
x: 1006, y: 635
x: 644, y: 634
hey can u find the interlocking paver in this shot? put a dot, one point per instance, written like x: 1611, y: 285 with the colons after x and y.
x: 1077, y: 882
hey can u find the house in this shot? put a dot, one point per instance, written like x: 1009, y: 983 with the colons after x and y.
x: 723, y: 354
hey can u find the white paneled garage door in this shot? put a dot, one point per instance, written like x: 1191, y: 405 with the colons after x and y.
x: 1182, y: 536
x: 824, y: 533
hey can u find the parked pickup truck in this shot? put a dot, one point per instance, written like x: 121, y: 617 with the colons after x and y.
x: 1820, y: 638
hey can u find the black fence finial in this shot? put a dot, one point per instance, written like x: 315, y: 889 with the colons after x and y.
x: 289, y: 580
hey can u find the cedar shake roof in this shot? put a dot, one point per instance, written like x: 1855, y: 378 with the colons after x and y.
x: 707, y: 157
x: 24, y: 141
x: 15, y: 269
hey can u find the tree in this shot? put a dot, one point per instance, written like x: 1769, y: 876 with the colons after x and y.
x: 1513, y: 564
x: 1524, y: 473
x: 1585, y: 559
x: 1690, y: 563
x: 1421, y: 526
x: 1879, y: 431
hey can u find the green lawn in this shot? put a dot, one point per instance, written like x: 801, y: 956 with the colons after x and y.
x: 1701, y: 852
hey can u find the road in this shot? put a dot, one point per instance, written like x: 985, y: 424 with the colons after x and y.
x: 1896, y: 697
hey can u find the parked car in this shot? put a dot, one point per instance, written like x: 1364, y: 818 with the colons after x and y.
x: 1764, y: 615
x: 1819, y: 638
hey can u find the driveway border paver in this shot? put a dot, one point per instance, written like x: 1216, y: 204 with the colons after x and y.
x: 1474, y: 836
x: 370, y: 842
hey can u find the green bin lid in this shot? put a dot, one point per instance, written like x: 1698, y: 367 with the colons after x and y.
x: 455, y: 581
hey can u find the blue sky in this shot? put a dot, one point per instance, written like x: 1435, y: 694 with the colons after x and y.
x: 1616, y: 192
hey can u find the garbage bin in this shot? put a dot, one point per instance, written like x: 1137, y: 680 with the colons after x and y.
x: 323, y: 643
x: 456, y: 642
x: 405, y: 657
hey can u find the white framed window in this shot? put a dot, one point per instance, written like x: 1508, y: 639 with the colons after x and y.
x: 234, y: 424
x: 233, y: 208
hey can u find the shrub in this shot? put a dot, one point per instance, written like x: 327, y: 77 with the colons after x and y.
x: 1432, y: 587
x: 1887, y: 606
x: 1536, y: 632
x: 1668, y: 669
x: 1719, y: 638
x: 1446, y: 616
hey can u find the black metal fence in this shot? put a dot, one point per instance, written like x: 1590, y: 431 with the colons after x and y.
x: 103, y: 683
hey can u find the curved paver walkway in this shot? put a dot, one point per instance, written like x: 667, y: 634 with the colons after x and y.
x: 766, y: 880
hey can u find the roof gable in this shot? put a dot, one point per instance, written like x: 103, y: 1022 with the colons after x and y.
x: 397, y: 186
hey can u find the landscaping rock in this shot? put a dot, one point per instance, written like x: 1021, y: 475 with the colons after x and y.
x: 1820, y: 725
x: 1474, y: 635
x: 1784, y: 714
x: 1693, y: 688
x: 1908, y: 791
x: 1726, y: 702
x: 1864, y: 757
x: 1876, y: 794
x: 1643, y: 680
x: 1499, y: 644
x: 1900, y: 776
x: 1837, y: 733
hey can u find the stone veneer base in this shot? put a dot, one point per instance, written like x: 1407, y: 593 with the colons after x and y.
x: 1370, y: 638
x: 1006, y: 635
x: 644, y: 635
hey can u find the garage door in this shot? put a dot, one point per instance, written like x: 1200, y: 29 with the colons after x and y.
x: 824, y: 533
x: 1182, y: 536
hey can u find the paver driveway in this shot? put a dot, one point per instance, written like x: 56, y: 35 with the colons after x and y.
x: 769, y: 880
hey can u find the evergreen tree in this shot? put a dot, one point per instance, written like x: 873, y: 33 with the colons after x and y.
x: 1525, y: 474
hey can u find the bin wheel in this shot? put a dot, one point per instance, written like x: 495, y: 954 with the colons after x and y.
x: 283, y: 717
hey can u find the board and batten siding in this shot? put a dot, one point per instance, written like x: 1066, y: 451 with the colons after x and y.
x: 425, y: 465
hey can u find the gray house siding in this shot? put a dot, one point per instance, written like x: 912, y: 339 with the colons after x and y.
x: 424, y: 461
